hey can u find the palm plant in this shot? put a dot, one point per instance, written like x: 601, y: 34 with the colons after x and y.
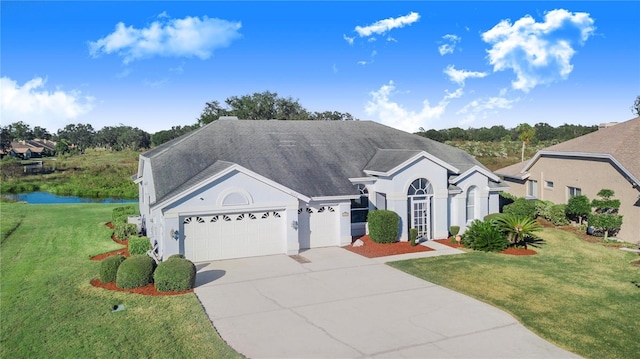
x: 519, y: 229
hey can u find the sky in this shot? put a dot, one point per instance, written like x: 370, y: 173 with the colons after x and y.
x: 408, y: 65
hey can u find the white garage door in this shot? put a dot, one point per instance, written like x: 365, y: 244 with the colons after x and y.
x: 318, y: 226
x: 225, y: 236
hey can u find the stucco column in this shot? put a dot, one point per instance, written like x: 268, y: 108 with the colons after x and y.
x: 345, y: 224
x: 291, y: 231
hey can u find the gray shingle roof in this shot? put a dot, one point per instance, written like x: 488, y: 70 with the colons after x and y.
x: 621, y: 141
x: 314, y: 158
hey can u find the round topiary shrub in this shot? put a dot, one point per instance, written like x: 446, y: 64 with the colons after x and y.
x: 136, y: 271
x: 139, y: 245
x: 178, y: 255
x: 109, y: 268
x: 413, y: 235
x: 174, y: 275
x: 383, y: 226
x: 521, y: 207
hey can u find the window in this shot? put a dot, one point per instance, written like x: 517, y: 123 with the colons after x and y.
x: 360, y: 206
x: 548, y: 184
x: 471, y: 203
x: 574, y: 191
x: 532, y: 188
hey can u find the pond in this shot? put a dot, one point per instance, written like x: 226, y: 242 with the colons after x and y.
x: 49, y: 198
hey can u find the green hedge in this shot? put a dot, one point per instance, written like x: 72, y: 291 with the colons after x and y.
x: 139, y: 245
x: 178, y: 255
x: 174, y: 275
x: 521, y: 207
x: 120, y: 214
x: 557, y: 215
x: 109, y: 268
x: 413, y: 235
x: 125, y: 230
x: 136, y: 271
x: 383, y: 226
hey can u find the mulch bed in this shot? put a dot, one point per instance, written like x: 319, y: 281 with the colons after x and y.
x: 519, y: 251
x: 146, y: 290
x: 372, y: 249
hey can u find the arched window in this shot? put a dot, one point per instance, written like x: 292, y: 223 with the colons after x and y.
x: 471, y: 203
x: 235, y: 199
x: 421, y: 186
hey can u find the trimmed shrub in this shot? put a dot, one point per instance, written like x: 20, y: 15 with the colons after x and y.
x: 413, y: 235
x: 521, y: 207
x: 454, y: 230
x: 578, y: 208
x: 174, y: 275
x: 136, y: 271
x: 543, y: 208
x: 383, y: 226
x: 178, y: 255
x: 109, y: 268
x: 125, y: 230
x: 139, y: 245
x: 484, y: 236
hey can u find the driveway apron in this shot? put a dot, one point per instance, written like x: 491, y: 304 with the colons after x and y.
x: 332, y: 303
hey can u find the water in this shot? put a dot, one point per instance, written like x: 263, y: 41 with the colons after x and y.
x: 49, y: 198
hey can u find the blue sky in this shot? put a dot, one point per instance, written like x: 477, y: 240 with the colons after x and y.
x: 408, y: 65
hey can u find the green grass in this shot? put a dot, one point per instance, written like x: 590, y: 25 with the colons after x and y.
x: 49, y: 309
x: 575, y: 294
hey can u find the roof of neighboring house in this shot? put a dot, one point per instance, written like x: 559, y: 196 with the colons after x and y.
x: 47, y: 144
x: 621, y: 142
x: 313, y: 158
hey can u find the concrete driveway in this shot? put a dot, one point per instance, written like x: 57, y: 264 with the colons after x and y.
x: 331, y: 303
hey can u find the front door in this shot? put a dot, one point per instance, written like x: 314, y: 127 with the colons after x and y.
x: 421, y: 216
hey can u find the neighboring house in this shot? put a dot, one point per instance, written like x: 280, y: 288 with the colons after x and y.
x: 32, y: 149
x: 247, y: 188
x: 608, y: 158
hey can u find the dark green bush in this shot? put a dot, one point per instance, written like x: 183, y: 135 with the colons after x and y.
x: 383, y: 226
x: 484, y: 236
x: 578, y: 208
x: 139, y: 245
x: 521, y: 207
x: 109, y: 268
x: 413, y: 235
x: 542, y: 208
x: 178, y: 255
x: 454, y: 230
x: 174, y: 275
x: 120, y: 214
x: 135, y: 271
x: 125, y: 230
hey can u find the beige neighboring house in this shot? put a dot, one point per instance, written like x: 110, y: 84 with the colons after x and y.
x: 608, y: 158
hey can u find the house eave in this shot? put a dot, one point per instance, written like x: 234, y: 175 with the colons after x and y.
x: 404, y: 164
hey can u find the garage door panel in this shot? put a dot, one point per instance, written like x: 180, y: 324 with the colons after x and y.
x: 235, y: 235
x: 319, y: 226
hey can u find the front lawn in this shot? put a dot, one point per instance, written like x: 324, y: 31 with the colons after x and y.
x: 50, y: 310
x: 575, y: 294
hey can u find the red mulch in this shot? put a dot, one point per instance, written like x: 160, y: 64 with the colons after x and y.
x: 146, y: 290
x: 518, y: 251
x: 372, y: 249
x: 99, y: 257
x: 447, y: 242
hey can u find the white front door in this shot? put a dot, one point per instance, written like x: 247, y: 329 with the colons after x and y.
x: 421, y: 215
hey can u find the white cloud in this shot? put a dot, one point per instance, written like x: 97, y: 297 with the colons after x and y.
x: 450, y: 46
x: 373, y: 55
x: 482, y: 108
x: 348, y: 39
x: 538, y: 52
x: 459, y: 76
x: 383, y: 26
x: 188, y: 37
x: 395, y: 115
x: 35, y: 105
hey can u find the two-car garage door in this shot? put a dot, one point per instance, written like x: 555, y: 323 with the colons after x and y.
x: 238, y: 235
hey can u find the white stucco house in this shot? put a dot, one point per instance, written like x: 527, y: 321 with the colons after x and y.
x: 238, y: 188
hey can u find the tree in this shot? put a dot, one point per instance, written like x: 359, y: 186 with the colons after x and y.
x: 20, y: 131
x: 41, y: 133
x: 122, y: 137
x: 526, y: 133
x: 161, y: 137
x: 636, y: 106
x: 578, y: 208
x: 80, y: 136
x: 5, y: 138
x: 211, y: 112
x: 606, y: 217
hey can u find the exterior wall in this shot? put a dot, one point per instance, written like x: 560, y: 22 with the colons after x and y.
x: 396, y: 187
x: 208, y: 200
x: 481, y: 203
x: 590, y: 176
